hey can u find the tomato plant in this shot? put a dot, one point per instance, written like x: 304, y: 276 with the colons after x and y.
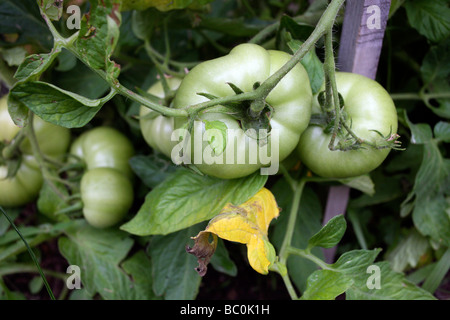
x: 371, y: 115
x: 224, y: 150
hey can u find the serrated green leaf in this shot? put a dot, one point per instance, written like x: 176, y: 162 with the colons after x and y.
x: 55, y: 105
x: 429, y: 18
x: 442, y: 131
x: 152, y: 169
x: 427, y: 200
x: 99, y: 35
x: 144, y: 21
x: 312, y: 64
x: 382, y: 283
x: 174, y: 275
x: 330, y: 234
x: 362, y: 183
x: 355, y: 261
x: 408, y: 251
x: 98, y: 253
x: 23, y: 18
x: 326, y: 285
x: 18, y: 111
x: 186, y: 198
x: 139, y: 267
x: 435, y: 72
x: 421, y: 133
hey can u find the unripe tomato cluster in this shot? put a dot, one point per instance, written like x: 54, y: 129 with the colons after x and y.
x: 106, y: 186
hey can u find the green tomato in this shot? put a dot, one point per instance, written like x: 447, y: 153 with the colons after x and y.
x: 370, y: 107
x: 245, y: 66
x: 107, y: 195
x: 24, y: 187
x: 104, y: 147
x: 157, y: 131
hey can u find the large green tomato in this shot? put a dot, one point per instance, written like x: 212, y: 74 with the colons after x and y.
x: 107, y: 195
x: 157, y: 131
x: 106, y: 186
x: 369, y: 107
x: 25, y: 185
x: 290, y: 103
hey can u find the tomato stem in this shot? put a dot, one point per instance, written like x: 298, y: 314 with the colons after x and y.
x: 9, y: 150
x: 323, y: 27
x: 298, y: 190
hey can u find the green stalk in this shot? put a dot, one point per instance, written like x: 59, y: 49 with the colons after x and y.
x: 298, y: 190
x: 418, y: 96
x: 306, y: 254
x: 324, y: 26
x: 330, y: 70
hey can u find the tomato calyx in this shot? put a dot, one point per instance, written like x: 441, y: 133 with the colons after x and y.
x: 253, y: 116
x: 12, y: 167
x: 346, y: 139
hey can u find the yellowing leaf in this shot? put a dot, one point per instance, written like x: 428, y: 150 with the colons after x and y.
x: 247, y: 223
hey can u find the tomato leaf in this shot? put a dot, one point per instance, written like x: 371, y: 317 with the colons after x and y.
x: 435, y: 72
x: 429, y: 18
x: 330, y: 234
x: 326, y: 285
x: 427, y: 200
x: 408, y: 252
x: 23, y: 18
x: 186, y: 198
x: 312, y: 65
x: 152, y: 169
x: 99, y: 35
x: 173, y: 270
x: 139, y: 267
x: 55, y: 105
x: 362, y: 183
x: 392, y: 285
x: 91, y: 249
x: 34, y: 65
x: 442, y: 131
